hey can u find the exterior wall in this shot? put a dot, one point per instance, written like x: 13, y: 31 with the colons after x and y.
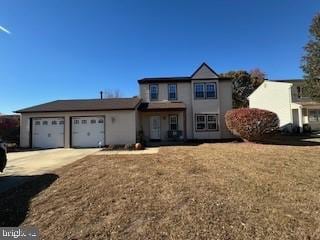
x: 204, y: 72
x: 164, y: 123
x: 206, y: 106
x: 275, y: 97
x: 184, y: 94
x: 225, y: 91
x: 120, y: 126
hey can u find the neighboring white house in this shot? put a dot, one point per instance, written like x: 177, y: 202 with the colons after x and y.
x: 170, y: 108
x: 287, y: 100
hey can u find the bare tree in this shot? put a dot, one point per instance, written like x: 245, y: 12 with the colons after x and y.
x: 112, y: 93
x: 257, y: 77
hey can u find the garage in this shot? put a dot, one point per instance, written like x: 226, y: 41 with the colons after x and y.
x: 88, y: 131
x: 47, y: 132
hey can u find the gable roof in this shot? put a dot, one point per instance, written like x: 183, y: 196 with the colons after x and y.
x: 184, y: 78
x: 84, y: 105
x: 202, y: 66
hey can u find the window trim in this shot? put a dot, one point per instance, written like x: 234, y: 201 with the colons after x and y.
x: 205, y: 95
x: 150, y: 94
x: 206, y: 122
x: 169, y: 122
x: 176, y: 91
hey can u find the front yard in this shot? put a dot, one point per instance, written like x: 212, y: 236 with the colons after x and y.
x: 210, y: 191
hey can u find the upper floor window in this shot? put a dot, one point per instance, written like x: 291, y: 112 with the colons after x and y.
x: 199, y: 90
x: 172, y: 92
x: 205, y: 90
x: 154, y: 92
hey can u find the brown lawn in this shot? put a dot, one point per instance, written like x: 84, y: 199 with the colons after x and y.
x: 210, y: 191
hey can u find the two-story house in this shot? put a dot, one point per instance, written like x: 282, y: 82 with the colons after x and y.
x: 168, y: 108
x: 287, y: 99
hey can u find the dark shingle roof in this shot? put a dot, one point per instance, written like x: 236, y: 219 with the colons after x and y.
x: 159, y: 106
x: 84, y: 105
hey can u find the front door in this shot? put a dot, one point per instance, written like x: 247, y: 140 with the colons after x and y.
x: 155, y: 127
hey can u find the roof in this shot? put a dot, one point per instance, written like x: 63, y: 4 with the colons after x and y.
x: 161, y: 106
x: 287, y: 80
x: 181, y: 78
x: 84, y: 105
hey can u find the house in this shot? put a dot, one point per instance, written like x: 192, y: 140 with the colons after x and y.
x: 287, y: 99
x: 167, y: 109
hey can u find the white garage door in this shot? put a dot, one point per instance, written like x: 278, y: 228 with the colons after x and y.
x: 87, y: 131
x: 47, y: 132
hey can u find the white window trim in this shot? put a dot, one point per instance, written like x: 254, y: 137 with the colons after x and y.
x: 204, y: 87
x: 176, y: 117
x: 206, y: 115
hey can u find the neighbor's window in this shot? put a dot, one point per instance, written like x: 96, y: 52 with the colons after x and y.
x: 172, y: 92
x: 45, y: 123
x: 37, y: 123
x: 200, y: 122
x: 93, y: 121
x: 314, y: 115
x: 173, y: 122
x: 61, y: 122
x: 211, y: 90
x: 76, y: 121
x: 83, y: 121
x: 100, y: 121
x: 206, y: 122
x: 154, y: 92
x: 54, y: 122
x: 199, y: 90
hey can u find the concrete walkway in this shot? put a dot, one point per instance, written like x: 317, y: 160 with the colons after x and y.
x: 20, y: 165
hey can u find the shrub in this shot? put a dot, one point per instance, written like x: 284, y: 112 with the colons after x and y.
x: 251, y: 124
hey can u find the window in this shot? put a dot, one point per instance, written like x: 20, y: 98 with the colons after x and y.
x: 205, y: 90
x: 173, y: 122
x: 83, y: 121
x: 37, y: 123
x: 212, y: 122
x: 314, y: 115
x: 45, y: 123
x: 54, y: 122
x: 211, y: 90
x: 76, y: 121
x: 199, y: 90
x: 100, y: 121
x: 200, y: 122
x: 154, y: 92
x: 206, y: 122
x: 93, y: 121
x: 172, y: 92
x: 61, y: 123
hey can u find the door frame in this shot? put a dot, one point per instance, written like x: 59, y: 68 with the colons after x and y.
x: 150, y: 129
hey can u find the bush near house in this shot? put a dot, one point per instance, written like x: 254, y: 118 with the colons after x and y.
x: 251, y: 124
x: 10, y: 128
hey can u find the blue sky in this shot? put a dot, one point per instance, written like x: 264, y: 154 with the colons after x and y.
x: 75, y: 48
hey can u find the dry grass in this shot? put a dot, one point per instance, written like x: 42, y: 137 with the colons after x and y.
x: 211, y: 191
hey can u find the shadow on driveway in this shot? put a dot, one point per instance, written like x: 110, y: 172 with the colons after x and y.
x: 14, y: 203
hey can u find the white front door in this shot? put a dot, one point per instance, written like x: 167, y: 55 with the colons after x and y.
x: 47, y: 132
x: 87, y: 131
x: 155, y: 127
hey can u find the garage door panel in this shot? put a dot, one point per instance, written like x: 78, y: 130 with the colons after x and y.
x: 88, y: 131
x: 48, y: 132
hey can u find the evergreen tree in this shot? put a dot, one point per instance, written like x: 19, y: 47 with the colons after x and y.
x: 311, y: 61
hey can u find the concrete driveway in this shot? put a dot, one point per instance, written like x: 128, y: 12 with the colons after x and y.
x: 22, y: 164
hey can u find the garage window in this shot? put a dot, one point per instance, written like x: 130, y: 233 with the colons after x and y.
x: 37, y: 123
x: 54, y: 122
x: 61, y: 122
x: 76, y: 121
x: 45, y: 123
x: 93, y: 121
x: 100, y: 120
x: 83, y: 121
